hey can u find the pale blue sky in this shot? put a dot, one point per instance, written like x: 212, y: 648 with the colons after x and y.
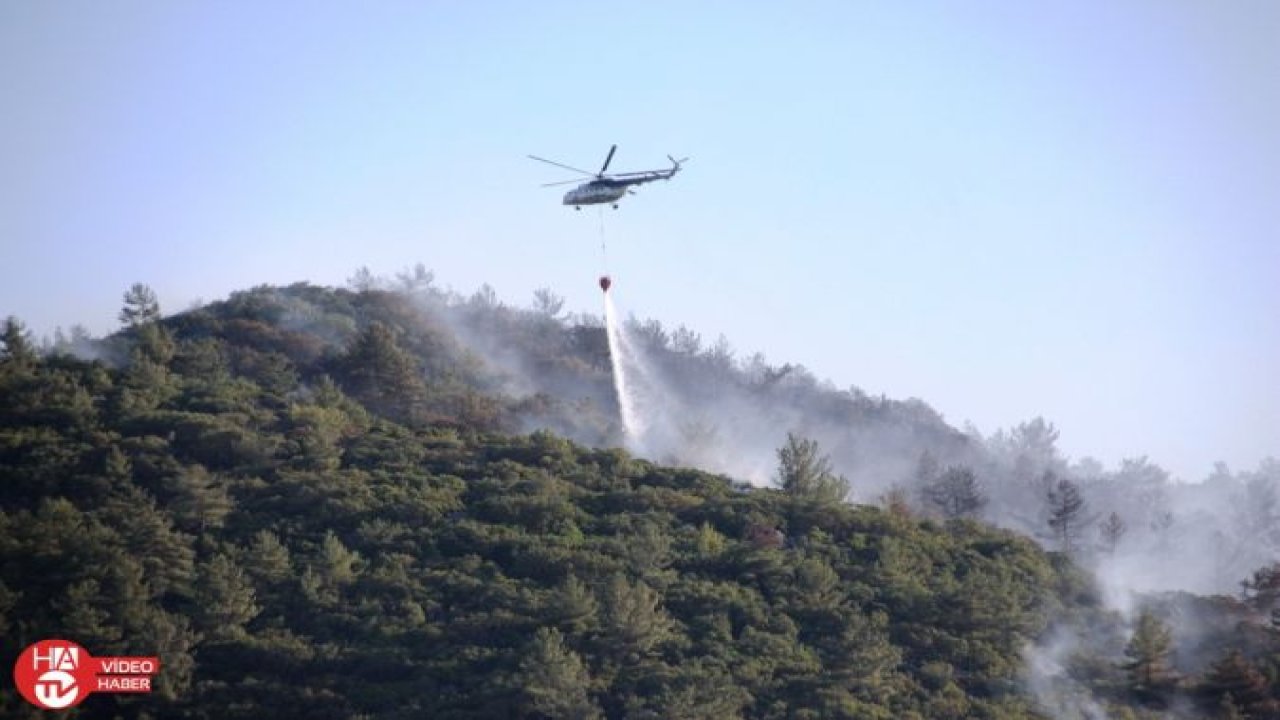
x: 1007, y: 209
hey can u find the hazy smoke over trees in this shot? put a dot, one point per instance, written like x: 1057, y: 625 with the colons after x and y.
x: 705, y: 406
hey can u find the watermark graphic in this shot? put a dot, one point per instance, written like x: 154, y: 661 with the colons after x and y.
x: 59, y: 674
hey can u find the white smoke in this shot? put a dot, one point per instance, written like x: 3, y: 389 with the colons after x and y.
x: 1047, y: 680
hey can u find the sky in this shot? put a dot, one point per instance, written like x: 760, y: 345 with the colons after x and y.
x: 1005, y: 209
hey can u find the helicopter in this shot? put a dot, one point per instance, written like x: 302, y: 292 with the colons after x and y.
x: 604, y: 187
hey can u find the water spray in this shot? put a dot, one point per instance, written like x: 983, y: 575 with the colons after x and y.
x: 621, y: 387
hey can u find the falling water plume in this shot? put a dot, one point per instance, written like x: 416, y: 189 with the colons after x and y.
x: 621, y: 386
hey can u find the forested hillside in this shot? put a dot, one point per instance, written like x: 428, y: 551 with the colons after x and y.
x: 361, y: 503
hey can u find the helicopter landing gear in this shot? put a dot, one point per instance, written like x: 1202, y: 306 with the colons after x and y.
x: 577, y: 207
x: 615, y: 206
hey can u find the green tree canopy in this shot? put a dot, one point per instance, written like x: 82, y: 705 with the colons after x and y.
x: 805, y: 473
x: 141, y: 306
x: 553, y: 679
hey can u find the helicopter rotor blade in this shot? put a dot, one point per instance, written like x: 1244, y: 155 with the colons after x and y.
x: 562, y: 165
x: 562, y: 182
x: 607, y: 160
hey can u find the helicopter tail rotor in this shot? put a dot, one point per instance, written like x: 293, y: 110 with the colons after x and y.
x: 675, y: 165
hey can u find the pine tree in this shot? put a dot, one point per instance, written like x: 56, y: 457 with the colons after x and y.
x: 140, y: 306
x: 710, y: 542
x: 574, y: 607
x: 415, y: 281
x: 548, y: 303
x: 817, y: 585
x: 1262, y: 590
x: 897, y: 503
x: 553, y: 679
x: 169, y: 637
x: 141, y: 314
x: 116, y: 466
x: 155, y: 343
x: 1147, y: 656
x: 85, y: 618
x: 166, y: 554
x: 1066, y: 513
x: 1234, y: 677
x: 634, y: 622
x: 146, y: 385
x: 1112, y: 531
x: 647, y: 548
x: 363, y: 280
x: 18, y: 349
x: 267, y: 559
x: 201, y: 501
x: 927, y: 469
x: 337, y: 565
x: 701, y: 690
x: 382, y: 374
x: 804, y: 473
x: 314, y: 436
x: 225, y: 599
x: 956, y: 493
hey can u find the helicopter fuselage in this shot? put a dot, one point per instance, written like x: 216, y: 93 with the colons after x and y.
x: 596, y: 192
